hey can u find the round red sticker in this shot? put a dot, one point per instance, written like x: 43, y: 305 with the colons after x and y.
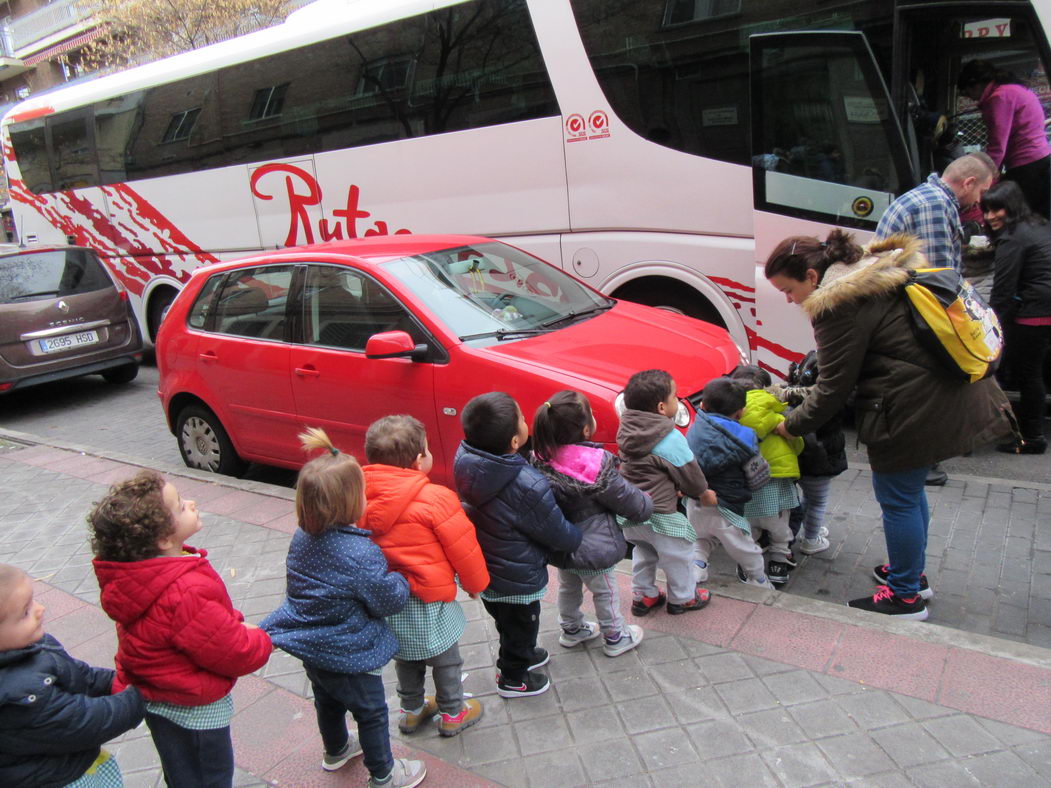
x: 598, y: 120
x: 575, y: 124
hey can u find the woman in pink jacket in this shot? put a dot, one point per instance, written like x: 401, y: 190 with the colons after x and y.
x: 1014, y: 122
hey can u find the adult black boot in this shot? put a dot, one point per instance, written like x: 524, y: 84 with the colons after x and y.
x: 936, y: 477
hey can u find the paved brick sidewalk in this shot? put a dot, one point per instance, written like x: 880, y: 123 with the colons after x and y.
x: 761, y: 688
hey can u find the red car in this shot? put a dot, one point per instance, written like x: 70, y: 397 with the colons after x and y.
x: 340, y: 334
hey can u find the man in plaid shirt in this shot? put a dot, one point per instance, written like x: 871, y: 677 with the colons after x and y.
x: 931, y: 211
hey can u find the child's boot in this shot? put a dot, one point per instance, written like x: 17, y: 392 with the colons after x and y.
x: 644, y: 605
x: 703, y: 597
x: 451, y: 725
x: 411, y: 720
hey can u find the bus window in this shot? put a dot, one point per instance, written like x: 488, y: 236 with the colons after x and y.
x: 73, y: 151
x: 826, y: 144
x: 30, y: 143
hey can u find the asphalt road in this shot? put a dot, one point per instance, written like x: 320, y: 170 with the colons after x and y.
x: 129, y: 419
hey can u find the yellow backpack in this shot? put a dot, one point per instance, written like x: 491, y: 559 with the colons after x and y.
x: 953, y: 322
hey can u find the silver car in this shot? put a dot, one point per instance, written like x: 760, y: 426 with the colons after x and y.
x: 63, y: 315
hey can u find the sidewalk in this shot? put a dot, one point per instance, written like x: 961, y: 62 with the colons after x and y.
x: 762, y: 688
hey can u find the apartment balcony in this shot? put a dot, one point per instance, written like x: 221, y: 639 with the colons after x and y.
x: 48, y: 25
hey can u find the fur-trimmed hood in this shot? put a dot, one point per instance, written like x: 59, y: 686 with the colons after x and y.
x: 884, y: 268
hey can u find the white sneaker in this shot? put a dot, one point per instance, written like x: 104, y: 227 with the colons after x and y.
x: 630, y: 637
x: 405, y: 774
x: 588, y: 631
x: 811, y: 546
x: 700, y: 571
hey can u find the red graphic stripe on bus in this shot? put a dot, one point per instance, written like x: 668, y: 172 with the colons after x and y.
x: 757, y: 341
x: 730, y: 284
x: 127, y: 241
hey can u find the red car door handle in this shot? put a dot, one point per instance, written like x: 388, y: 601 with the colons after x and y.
x: 307, y: 372
x: 209, y: 356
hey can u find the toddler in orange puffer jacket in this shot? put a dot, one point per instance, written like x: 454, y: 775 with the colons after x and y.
x: 425, y: 535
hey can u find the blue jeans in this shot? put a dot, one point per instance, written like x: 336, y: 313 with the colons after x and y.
x: 191, y: 758
x: 906, y: 516
x: 362, y: 695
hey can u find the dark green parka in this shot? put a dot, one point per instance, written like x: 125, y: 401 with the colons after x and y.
x: 910, y: 414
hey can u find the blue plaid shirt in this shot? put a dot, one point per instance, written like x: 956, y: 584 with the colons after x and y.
x: 931, y: 212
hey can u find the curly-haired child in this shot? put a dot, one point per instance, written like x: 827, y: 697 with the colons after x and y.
x: 179, y: 639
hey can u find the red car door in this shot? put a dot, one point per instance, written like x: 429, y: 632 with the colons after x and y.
x: 243, y: 363
x: 334, y: 385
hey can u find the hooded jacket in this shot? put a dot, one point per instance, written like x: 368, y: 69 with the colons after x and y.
x: 55, y: 713
x: 721, y: 456
x: 338, y: 593
x: 656, y: 458
x: 591, y: 493
x: 763, y: 412
x: 179, y: 639
x: 423, y: 532
x: 516, y: 518
x: 909, y: 414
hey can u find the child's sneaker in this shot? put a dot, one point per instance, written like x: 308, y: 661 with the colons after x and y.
x: 534, y: 684
x: 351, y: 749
x: 822, y: 531
x: 701, y: 571
x: 410, y: 721
x: 703, y: 597
x: 887, y: 602
x: 810, y: 546
x: 405, y: 774
x: 451, y: 725
x: 791, y: 560
x: 759, y: 582
x: 777, y: 572
x: 882, y: 572
x: 643, y: 606
x: 587, y: 631
x: 625, y: 640
x: 540, y: 658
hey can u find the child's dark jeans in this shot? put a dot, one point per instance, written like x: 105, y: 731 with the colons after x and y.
x: 518, y: 626
x: 362, y: 695
x: 192, y: 758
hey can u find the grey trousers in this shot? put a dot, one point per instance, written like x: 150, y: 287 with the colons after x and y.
x: 604, y: 592
x: 446, y: 671
x: 670, y: 553
x: 713, y: 530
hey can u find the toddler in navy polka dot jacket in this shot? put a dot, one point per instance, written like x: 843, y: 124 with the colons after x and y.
x: 339, y: 591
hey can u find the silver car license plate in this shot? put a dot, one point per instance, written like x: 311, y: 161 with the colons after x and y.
x: 67, y: 341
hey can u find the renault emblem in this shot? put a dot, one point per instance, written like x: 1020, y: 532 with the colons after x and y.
x: 63, y: 307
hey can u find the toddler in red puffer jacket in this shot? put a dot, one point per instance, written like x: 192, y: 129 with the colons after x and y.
x: 179, y: 639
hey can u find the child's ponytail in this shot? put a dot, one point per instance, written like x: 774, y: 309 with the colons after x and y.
x: 330, y: 489
x: 559, y: 421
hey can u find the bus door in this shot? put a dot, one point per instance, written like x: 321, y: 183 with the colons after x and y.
x: 827, y: 150
x: 931, y: 44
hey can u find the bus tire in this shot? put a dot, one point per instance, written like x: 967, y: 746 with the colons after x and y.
x: 159, y: 304
x: 674, y: 297
x: 204, y: 444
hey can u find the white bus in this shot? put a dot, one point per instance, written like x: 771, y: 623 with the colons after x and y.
x: 656, y: 149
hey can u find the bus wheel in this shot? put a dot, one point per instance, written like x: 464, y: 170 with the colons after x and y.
x: 674, y: 297
x: 204, y: 443
x: 159, y: 304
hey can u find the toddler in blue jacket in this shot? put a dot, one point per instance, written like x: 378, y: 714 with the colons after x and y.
x: 338, y: 593
x: 722, y: 445
x: 518, y: 524
x: 55, y: 711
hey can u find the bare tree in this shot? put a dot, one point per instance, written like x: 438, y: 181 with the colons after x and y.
x: 139, y: 31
